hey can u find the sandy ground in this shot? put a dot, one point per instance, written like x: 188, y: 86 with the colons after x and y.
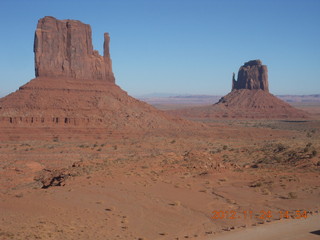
x: 162, y: 185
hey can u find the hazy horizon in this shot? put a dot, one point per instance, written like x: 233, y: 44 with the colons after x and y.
x: 168, y: 94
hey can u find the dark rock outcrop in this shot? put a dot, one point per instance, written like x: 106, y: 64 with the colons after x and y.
x: 49, y: 178
x: 252, y: 75
x: 63, y: 48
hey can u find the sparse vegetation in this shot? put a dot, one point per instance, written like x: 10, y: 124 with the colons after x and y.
x: 279, y: 148
x: 292, y: 195
x: 314, y: 153
x: 256, y: 184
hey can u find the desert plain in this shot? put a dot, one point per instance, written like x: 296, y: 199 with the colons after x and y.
x: 80, y: 159
x: 159, y: 185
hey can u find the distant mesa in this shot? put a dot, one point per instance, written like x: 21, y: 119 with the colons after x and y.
x: 252, y: 75
x: 248, y: 99
x: 75, y: 87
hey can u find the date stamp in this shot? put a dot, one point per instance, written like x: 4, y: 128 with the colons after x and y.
x: 262, y: 215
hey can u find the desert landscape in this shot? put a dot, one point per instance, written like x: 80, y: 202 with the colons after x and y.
x: 81, y: 159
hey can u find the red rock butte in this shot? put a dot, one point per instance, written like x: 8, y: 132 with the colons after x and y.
x: 248, y: 99
x: 64, y: 49
x: 252, y: 75
x: 75, y: 87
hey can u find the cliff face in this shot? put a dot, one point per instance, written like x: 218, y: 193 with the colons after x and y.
x: 252, y: 75
x: 63, y: 48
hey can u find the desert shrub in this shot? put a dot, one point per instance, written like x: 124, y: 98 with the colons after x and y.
x: 279, y: 148
x: 292, y: 195
x: 256, y: 184
x: 314, y: 153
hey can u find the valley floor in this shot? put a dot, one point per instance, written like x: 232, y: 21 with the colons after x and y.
x: 227, y: 177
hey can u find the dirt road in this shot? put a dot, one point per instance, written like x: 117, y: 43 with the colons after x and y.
x: 291, y: 229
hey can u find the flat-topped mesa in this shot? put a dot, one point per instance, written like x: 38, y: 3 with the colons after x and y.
x: 252, y: 75
x: 63, y: 48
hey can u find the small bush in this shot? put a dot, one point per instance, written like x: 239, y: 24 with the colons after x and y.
x: 255, y: 184
x: 292, y: 195
x: 314, y: 153
x: 279, y: 148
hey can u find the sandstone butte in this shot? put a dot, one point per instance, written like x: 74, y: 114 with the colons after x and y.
x: 75, y: 87
x: 248, y: 99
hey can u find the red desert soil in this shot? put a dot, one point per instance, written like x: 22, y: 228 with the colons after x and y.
x: 158, y: 186
x: 80, y: 159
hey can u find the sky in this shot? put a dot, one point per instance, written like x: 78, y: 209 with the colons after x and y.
x: 177, y: 46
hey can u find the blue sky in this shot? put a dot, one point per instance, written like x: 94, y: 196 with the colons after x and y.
x: 177, y: 46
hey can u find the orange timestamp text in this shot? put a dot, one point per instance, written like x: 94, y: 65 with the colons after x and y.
x: 263, y: 214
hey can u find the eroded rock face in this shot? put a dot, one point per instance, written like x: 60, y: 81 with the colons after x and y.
x: 63, y: 48
x: 252, y: 75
